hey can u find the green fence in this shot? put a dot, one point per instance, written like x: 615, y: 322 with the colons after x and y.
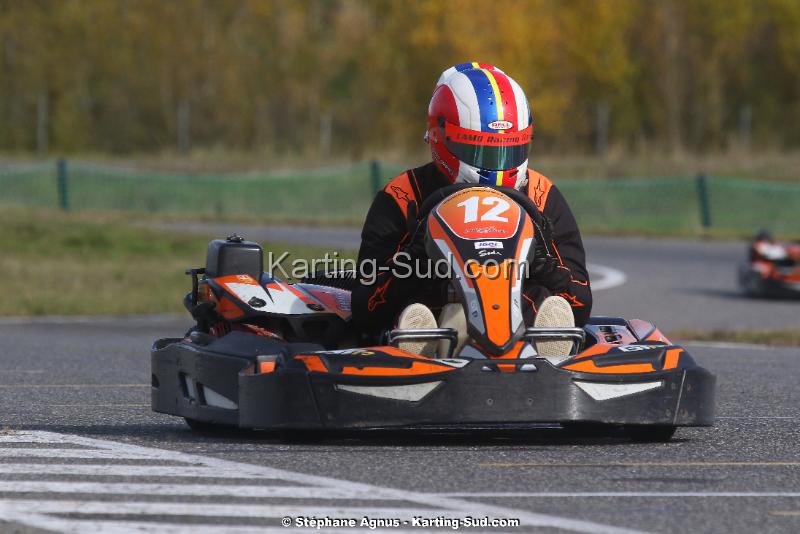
x: 673, y: 205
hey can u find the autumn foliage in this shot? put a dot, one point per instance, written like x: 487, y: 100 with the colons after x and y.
x: 350, y: 76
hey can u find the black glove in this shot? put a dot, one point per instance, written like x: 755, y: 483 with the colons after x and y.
x: 544, y: 240
x: 414, y: 245
x: 546, y: 269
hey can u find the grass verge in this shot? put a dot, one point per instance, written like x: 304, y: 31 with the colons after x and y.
x: 76, y: 264
x: 778, y: 338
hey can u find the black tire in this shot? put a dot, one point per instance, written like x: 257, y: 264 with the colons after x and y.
x: 585, y: 430
x: 302, y: 436
x: 650, y: 433
x: 751, y: 282
x: 205, y: 427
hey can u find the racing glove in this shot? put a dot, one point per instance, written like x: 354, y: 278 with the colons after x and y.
x: 546, y: 269
x: 413, y: 248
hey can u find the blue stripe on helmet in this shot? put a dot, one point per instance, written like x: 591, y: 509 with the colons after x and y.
x: 461, y: 67
x: 485, y: 93
x: 487, y: 176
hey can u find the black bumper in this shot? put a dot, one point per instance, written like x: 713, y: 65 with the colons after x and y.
x: 297, y: 399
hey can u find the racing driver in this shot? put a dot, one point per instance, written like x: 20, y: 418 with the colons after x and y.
x: 474, y: 97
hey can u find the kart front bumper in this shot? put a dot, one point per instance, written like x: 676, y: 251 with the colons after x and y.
x: 291, y: 398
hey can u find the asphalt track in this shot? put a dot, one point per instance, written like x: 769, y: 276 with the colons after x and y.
x: 63, y: 382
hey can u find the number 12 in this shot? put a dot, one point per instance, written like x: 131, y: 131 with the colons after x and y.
x: 494, y: 214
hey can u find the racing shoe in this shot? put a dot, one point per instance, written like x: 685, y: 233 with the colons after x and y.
x: 417, y: 316
x: 555, y: 312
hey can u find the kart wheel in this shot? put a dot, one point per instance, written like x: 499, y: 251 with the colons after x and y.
x: 302, y: 436
x: 205, y: 427
x: 751, y: 283
x: 650, y: 433
x: 585, y: 430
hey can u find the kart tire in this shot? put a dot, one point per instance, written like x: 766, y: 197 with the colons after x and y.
x: 650, y: 433
x: 205, y: 427
x: 586, y: 430
x: 752, y: 284
x: 302, y: 436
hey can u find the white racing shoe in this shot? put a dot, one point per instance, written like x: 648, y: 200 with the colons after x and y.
x: 555, y: 312
x: 417, y: 316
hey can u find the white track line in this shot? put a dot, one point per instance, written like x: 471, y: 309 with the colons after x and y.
x: 604, y: 277
x: 32, y: 512
x: 220, y: 510
x: 193, y: 490
x: 152, y: 527
x: 69, y: 453
x: 123, y: 470
x: 627, y: 494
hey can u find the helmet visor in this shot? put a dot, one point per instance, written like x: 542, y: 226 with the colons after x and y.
x: 488, y: 150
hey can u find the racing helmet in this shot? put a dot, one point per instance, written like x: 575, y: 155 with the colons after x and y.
x: 479, y: 126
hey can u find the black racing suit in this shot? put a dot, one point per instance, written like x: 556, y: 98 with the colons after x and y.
x: 377, y: 305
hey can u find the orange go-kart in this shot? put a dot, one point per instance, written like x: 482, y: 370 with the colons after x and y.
x: 772, y: 269
x: 267, y: 354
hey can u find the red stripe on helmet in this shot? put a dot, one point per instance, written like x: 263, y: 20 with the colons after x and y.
x: 509, y: 99
x: 510, y: 178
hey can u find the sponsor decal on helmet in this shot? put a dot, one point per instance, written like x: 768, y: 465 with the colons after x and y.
x: 441, y: 162
x: 488, y: 244
x: 501, y: 125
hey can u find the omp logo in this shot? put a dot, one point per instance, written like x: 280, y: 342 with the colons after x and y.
x: 638, y: 348
x: 347, y: 352
x: 501, y: 125
x: 488, y: 244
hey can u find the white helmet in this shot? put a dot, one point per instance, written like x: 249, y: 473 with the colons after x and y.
x: 479, y: 126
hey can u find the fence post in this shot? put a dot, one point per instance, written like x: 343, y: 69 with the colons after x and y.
x: 375, y: 176
x: 702, y: 199
x: 63, y: 187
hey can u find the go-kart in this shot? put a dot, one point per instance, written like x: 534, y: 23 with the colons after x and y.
x: 267, y: 354
x: 772, y: 268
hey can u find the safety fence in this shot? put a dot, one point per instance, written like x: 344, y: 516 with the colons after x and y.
x: 682, y: 205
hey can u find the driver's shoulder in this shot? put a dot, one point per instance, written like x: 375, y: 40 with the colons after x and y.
x: 413, y: 185
x: 539, y: 188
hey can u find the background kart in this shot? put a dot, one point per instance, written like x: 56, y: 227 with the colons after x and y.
x: 772, y: 269
x: 266, y: 354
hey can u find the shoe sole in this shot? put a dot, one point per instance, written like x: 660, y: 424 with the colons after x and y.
x: 555, y: 312
x: 417, y: 316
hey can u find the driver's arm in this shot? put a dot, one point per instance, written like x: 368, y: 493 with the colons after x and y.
x: 379, y: 296
x: 568, y: 246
